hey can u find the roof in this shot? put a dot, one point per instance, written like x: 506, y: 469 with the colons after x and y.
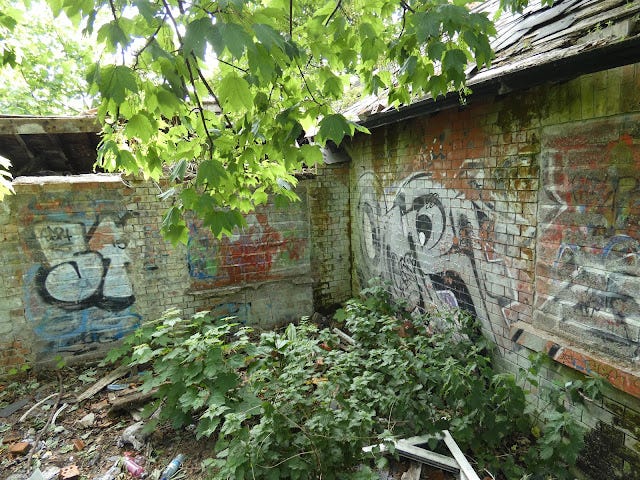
x: 538, y: 45
x: 48, y: 145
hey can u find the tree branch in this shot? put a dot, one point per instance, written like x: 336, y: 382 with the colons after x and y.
x: 307, y: 85
x: 196, y: 97
x: 215, y: 97
x: 115, y: 19
x: 148, y: 42
x: 406, y: 6
x: 243, y: 70
x: 290, y: 18
x: 333, y: 13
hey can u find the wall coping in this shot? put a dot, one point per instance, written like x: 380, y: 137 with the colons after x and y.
x: 76, y: 179
x: 624, y: 378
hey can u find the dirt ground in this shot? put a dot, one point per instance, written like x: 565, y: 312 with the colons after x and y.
x: 45, y: 431
x: 87, y: 434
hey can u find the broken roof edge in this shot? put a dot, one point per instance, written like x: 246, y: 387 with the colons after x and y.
x: 54, y: 124
x: 623, y: 52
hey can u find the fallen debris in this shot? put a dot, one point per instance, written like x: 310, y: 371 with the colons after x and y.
x: 26, y: 414
x: 11, y: 437
x: 414, y: 472
x: 20, y: 448
x: 49, y: 474
x: 70, y: 472
x: 343, y: 336
x: 101, y: 405
x: 88, y: 420
x: 134, y: 435
x: 132, y: 466
x: 90, y: 445
x: 111, y: 473
x: 128, y: 401
x: 173, y: 467
x: 14, y: 407
x: 58, y: 412
x: 102, y: 383
x: 410, y: 448
x: 78, y: 444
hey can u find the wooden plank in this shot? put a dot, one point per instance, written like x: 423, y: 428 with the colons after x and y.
x: 103, y: 382
x: 14, y: 407
x: 466, y: 470
x: 427, y: 457
x: 127, y: 401
x: 344, y: 336
x: 412, y: 452
x: 27, y: 125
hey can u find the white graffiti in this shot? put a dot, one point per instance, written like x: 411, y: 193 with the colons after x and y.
x: 84, y: 269
x: 435, y: 247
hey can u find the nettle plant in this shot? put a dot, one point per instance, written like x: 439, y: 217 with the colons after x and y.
x: 296, y: 404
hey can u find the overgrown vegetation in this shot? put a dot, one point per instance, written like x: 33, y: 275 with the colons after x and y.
x: 297, y: 405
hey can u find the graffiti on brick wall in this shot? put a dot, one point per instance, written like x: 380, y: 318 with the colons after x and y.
x: 81, y: 270
x: 251, y: 254
x: 591, y: 240
x: 80, y: 293
x: 434, y: 246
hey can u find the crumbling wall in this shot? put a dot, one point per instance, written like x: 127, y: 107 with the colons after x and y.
x: 524, y: 210
x: 330, y: 225
x: 83, y: 263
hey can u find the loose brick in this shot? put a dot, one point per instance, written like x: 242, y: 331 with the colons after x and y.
x: 20, y: 448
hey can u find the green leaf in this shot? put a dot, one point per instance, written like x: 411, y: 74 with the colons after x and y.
x: 546, y: 453
x: 234, y: 37
x: 312, y: 154
x: 168, y: 103
x: 139, y: 126
x: 196, y: 35
x: 178, y: 171
x: 427, y: 25
x: 211, y: 172
x: 234, y: 93
x: 268, y: 36
x: 454, y: 63
x: 113, y: 33
x: 115, y: 80
x: 334, y: 127
x: 173, y: 227
x: 261, y: 62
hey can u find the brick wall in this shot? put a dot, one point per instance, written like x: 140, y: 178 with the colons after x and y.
x: 330, y: 235
x: 83, y: 263
x: 524, y: 210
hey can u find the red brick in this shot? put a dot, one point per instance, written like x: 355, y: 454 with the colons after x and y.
x: 20, y: 448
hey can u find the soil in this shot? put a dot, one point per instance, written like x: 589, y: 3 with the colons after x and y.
x: 51, y: 440
x: 92, y: 447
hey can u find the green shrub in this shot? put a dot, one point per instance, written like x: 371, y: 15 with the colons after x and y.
x: 297, y: 405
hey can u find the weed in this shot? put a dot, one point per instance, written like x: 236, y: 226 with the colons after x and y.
x: 296, y: 405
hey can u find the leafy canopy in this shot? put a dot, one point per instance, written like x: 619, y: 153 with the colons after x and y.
x: 231, y: 86
x: 45, y: 70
